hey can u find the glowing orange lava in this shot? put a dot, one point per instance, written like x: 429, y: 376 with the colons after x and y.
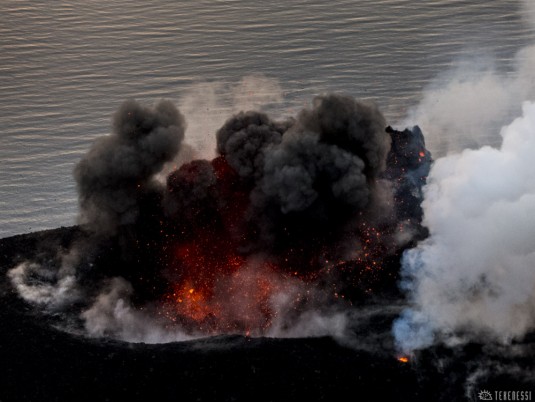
x: 217, y: 285
x: 216, y: 290
x: 403, y: 359
x: 193, y: 303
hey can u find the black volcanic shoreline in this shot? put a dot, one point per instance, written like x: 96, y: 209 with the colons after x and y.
x: 41, y: 363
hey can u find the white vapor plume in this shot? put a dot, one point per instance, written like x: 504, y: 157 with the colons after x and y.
x: 474, y: 276
x: 46, y: 286
x: 462, y: 108
x: 208, y: 105
x: 55, y: 295
x: 112, y: 315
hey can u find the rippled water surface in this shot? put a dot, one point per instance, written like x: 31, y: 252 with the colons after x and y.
x: 65, y: 66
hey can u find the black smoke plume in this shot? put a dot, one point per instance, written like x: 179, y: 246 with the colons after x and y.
x: 244, y: 138
x: 320, y: 178
x: 290, y: 217
x: 118, y: 170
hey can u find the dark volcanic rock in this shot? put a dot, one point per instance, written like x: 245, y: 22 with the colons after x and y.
x: 41, y: 363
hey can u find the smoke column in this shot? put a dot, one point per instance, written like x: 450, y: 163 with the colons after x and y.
x: 465, y: 107
x: 120, y: 167
x: 474, y: 277
x: 280, y: 233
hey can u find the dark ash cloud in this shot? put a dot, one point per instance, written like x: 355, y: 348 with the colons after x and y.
x: 119, y: 167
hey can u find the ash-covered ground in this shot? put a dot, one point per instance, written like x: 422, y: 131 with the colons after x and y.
x: 41, y: 362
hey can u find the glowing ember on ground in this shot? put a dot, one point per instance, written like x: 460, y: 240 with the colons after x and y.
x: 403, y: 359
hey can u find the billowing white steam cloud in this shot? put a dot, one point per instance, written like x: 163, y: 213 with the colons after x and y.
x: 56, y: 295
x: 475, y: 274
x: 112, y: 315
x: 463, y: 107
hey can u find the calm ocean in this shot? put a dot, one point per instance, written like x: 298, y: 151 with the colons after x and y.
x: 65, y: 66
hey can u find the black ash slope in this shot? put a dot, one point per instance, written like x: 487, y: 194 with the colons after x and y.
x: 40, y: 363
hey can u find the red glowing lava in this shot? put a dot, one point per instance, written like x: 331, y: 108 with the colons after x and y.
x: 214, y: 287
x: 217, y: 285
x: 226, y: 296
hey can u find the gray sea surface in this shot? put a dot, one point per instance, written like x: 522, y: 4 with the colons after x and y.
x: 65, y: 66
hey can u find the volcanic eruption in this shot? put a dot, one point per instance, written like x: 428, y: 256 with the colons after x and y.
x: 299, y: 227
x: 307, y: 215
